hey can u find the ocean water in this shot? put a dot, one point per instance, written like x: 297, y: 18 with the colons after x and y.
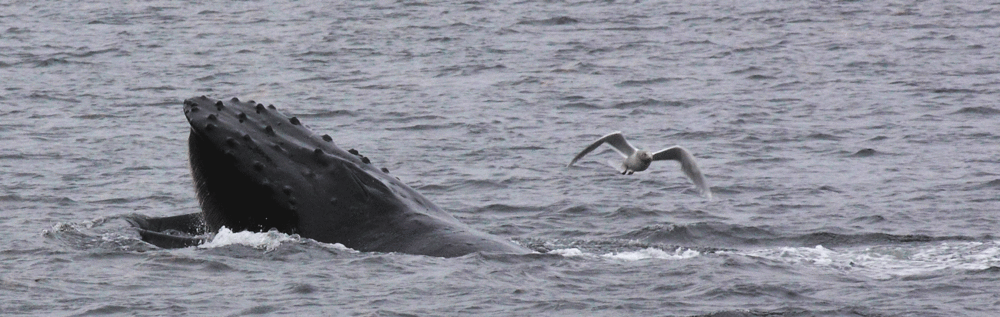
x: 853, y: 148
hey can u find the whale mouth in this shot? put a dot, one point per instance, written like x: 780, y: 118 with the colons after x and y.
x: 256, y: 169
x: 171, y: 232
x: 233, y: 198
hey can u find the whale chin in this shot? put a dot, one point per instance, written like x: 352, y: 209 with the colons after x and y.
x: 256, y: 169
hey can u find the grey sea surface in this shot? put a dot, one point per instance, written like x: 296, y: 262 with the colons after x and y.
x: 853, y: 148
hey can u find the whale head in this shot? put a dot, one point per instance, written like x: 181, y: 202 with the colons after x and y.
x: 255, y: 169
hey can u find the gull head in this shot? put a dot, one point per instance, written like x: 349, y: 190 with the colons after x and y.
x: 644, y: 156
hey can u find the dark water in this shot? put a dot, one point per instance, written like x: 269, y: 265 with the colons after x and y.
x: 852, y: 147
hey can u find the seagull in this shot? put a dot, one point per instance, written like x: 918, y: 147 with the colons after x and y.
x: 637, y: 160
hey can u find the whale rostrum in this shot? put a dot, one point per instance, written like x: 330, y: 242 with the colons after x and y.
x: 257, y: 169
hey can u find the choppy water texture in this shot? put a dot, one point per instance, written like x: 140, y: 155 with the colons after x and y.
x: 852, y: 147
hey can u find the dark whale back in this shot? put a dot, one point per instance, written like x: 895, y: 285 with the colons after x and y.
x: 256, y: 169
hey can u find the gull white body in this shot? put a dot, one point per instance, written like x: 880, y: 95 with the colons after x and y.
x: 637, y: 160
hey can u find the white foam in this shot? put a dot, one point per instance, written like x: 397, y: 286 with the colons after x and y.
x: 571, y: 252
x: 653, y: 253
x: 258, y: 240
x: 261, y: 240
x: 885, y: 262
x: 644, y: 254
x: 337, y: 247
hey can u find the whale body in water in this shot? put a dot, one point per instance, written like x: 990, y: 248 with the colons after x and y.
x: 257, y: 169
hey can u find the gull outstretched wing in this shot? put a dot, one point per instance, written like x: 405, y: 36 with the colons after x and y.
x: 688, y: 166
x: 615, y: 139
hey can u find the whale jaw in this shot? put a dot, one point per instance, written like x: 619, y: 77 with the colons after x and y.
x: 256, y: 169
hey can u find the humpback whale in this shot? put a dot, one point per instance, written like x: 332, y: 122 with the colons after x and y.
x: 257, y: 169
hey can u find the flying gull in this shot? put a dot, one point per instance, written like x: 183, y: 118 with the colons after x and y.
x: 637, y: 160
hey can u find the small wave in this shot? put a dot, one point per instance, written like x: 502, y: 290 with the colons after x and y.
x: 576, y: 67
x: 640, y: 83
x: 718, y: 234
x: 868, y: 219
x: 375, y: 87
x: 424, y: 127
x: 563, y: 20
x: 571, y: 252
x: 97, y: 235
x: 637, y: 255
x: 474, y: 184
x: 531, y: 80
x: 579, y: 105
x: 745, y: 70
x: 153, y: 88
x: 329, y: 114
x: 990, y: 184
x: 16, y: 30
x: 633, y: 212
x: 11, y: 197
x: 653, y: 253
x: 401, y: 117
x: 499, y: 208
x: 760, y: 77
x: 257, y: 240
x: 88, y: 53
x: 795, y: 311
x: 699, y: 42
x: 955, y: 91
x: 765, y: 160
x: 892, y: 261
x: 442, y: 39
x: 648, y: 103
x: 267, y: 241
x: 51, y: 61
x: 823, y: 136
x: 468, y: 70
x: 864, y: 153
x: 989, y: 111
x: 639, y: 28
x: 871, y: 65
